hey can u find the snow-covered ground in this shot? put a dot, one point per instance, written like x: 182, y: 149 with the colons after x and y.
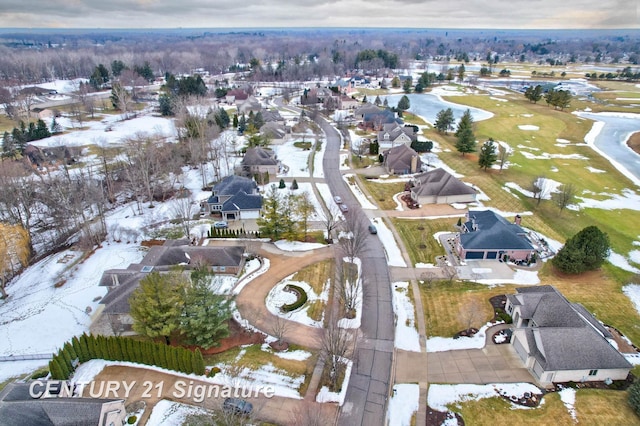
x: 278, y: 297
x: 172, y: 413
x: 407, y: 337
x: 403, y: 404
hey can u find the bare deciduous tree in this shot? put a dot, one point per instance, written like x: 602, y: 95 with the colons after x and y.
x: 337, y: 346
x: 183, y: 210
x: 503, y: 154
x: 332, y: 221
x: 541, y: 187
x: 279, y: 329
x: 565, y: 196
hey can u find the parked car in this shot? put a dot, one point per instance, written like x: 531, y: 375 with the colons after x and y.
x: 237, y: 406
x: 221, y: 224
x: 337, y: 199
x: 373, y: 229
x: 344, y: 207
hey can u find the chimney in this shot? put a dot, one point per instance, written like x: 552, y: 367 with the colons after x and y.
x: 518, y: 220
x: 414, y: 163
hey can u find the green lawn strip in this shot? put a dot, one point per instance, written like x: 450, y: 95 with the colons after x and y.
x: 383, y: 193
x: 410, y: 118
x: 363, y: 161
x: 418, y: 238
x: 316, y: 275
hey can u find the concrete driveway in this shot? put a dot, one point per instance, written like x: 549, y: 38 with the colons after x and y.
x: 491, y: 364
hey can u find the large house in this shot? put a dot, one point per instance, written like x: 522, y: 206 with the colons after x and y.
x: 559, y: 341
x: 19, y: 407
x: 113, y: 315
x: 235, y: 198
x: 401, y: 160
x: 487, y: 235
x: 257, y: 161
x: 440, y: 187
x: 394, y: 134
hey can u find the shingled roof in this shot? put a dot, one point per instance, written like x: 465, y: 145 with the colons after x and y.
x: 564, y: 335
x: 439, y: 182
x: 259, y: 157
x: 489, y: 231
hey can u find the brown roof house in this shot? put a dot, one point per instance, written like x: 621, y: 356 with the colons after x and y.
x: 559, y: 341
x: 401, y: 160
x: 113, y: 315
x: 440, y: 187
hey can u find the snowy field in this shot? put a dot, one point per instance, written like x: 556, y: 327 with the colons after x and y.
x: 407, y: 337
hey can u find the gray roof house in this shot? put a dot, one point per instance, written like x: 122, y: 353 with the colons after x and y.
x: 393, y: 134
x: 559, y: 341
x: 246, y: 203
x: 487, y: 235
x: 401, y: 160
x: 259, y: 161
x: 18, y: 407
x: 275, y: 131
x: 440, y: 187
x: 113, y: 312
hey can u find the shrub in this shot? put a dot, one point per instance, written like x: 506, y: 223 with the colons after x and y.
x: 302, y: 299
x: 214, y: 371
x: 131, y: 420
x: 634, y: 396
x: 39, y: 374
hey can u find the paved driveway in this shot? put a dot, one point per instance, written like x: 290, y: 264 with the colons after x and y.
x: 491, y: 364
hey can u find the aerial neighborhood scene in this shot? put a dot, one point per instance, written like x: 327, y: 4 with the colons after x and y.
x: 312, y: 214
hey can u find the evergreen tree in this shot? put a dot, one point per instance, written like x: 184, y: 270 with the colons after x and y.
x: 407, y: 85
x: 157, y: 303
x: 197, y: 365
x: 488, y: 154
x: 404, y: 103
x: 294, y: 184
x: 282, y: 185
x: 165, y: 102
x: 377, y: 101
x: 235, y: 121
x: 444, y: 120
x: 7, y: 144
x: 70, y: 350
x: 55, y: 370
x: 85, y: 354
x: 585, y: 251
x: 466, y: 140
x: 205, y: 315
x: 272, y: 223
x: 66, y: 359
x: 242, y: 124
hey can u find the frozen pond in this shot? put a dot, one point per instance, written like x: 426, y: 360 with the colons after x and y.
x: 427, y: 106
x: 612, y: 139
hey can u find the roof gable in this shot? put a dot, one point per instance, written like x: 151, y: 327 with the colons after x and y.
x: 487, y: 230
x: 439, y: 182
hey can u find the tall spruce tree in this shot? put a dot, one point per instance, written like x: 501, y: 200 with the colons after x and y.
x: 205, y: 315
x: 488, y: 154
x: 466, y: 140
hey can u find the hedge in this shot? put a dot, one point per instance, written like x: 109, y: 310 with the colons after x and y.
x: 302, y: 299
x: 118, y: 348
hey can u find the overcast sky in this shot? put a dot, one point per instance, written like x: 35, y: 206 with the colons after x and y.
x: 517, y: 14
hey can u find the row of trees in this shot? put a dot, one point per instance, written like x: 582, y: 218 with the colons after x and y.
x: 285, y: 216
x: 115, y: 348
x: 174, y: 303
x: 14, y: 143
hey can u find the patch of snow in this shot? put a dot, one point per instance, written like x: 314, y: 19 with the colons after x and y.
x: 278, y: 297
x: 440, y: 396
x: 621, y: 262
x: 404, y: 402
x: 172, y: 413
x: 441, y: 344
x: 297, y: 355
x: 568, y: 398
x: 407, y: 337
x: 11, y: 369
x: 594, y: 170
x: 285, y: 245
x: 528, y: 127
x: 629, y: 199
x: 251, y: 272
x: 632, y: 291
x: 362, y: 199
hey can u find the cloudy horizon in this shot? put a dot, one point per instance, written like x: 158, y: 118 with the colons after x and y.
x: 476, y: 14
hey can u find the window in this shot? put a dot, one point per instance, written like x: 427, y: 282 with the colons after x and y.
x: 510, y: 309
x: 593, y: 372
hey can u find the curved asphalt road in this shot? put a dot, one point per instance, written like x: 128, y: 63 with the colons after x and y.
x: 366, y: 399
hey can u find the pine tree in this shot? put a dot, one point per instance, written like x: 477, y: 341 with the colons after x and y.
x: 282, y: 185
x: 444, y: 120
x: 157, y: 303
x: 488, y: 154
x: 294, y: 184
x: 205, y: 315
x: 54, y: 369
x: 66, y: 358
x: 466, y: 140
x: 72, y: 353
x: 84, y: 349
x: 634, y: 396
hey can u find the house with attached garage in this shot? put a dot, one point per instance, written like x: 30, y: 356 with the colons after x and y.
x: 559, y: 341
x: 234, y: 198
x: 487, y: 235
x: 440, y: 187
x: 113, y: 314
x: 394, y: 134
x: 401, y: 160
x: 257, y: 161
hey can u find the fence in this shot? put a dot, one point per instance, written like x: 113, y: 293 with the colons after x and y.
x: 25, y: 357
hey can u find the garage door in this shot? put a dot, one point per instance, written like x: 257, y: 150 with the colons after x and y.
x: 474, y: 255
x: 520, y: 350
x: 492, y: 255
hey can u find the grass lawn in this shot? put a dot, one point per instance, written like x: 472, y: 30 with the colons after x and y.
x: 593, y: 407
x: 418, y: 237
x: 316, y: 276
x: 444, y: 304
x: 383, y: 193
